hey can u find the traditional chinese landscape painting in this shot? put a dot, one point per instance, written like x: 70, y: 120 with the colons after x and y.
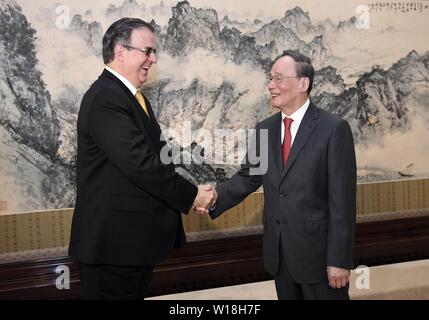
x: 371, y: 60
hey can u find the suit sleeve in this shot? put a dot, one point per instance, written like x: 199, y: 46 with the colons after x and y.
x: 341, y: 197
x: 113, y: 129
x: 247, y: 180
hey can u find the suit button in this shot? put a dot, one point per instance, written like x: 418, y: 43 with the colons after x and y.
x: 277, y: 221
x: 282, y: 195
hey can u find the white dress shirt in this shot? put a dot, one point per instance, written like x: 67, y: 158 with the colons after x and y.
x: 128, y: 84
x: 297, y: 118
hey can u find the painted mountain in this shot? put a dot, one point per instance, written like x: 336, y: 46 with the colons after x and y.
x: 210, y: 77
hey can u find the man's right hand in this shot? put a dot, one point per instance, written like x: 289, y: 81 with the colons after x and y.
x: 205, y: 199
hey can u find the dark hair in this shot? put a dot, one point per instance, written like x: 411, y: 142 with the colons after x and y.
x: 303, y: 65
x: 120, y: 33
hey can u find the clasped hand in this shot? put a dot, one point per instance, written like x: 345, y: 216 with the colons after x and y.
x: 205, y: 199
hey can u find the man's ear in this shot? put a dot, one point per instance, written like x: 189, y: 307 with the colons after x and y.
x: 305, y: 84
x: 119, y: 52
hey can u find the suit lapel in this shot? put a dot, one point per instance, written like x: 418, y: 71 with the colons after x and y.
x: 275, y: 142
x: 305, y: 130
x: 152, y: 117
x: 149, y: 124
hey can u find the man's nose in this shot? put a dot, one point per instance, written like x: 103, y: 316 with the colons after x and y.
x: 153, y: 58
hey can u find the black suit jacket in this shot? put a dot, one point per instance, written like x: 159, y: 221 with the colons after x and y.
x: 310, y: 204
x: 129, y: 204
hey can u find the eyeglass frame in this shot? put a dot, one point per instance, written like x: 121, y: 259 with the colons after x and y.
x: 280, y: 77
x: 147, y: 51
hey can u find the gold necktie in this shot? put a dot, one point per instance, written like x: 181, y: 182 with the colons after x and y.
x: 140, y: 99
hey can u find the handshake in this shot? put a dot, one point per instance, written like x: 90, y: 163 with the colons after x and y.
x: 205, y: 199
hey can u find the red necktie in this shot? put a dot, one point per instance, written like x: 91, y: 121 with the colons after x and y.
x: 287, y: 140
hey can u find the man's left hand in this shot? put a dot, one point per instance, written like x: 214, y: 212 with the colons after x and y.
x: 338, y: 277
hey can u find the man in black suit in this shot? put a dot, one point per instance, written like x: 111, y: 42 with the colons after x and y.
x: 129, y: 203
x: 309, y: 188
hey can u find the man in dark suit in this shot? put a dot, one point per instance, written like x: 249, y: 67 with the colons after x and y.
x: 129, y: 202
x: 309, y: 188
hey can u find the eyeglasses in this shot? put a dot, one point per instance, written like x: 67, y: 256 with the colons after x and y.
x: 278, y: 78
x: 146, y: 51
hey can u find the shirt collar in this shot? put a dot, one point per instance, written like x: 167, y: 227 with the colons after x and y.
x: 298, y: 114
x: 128, y: 84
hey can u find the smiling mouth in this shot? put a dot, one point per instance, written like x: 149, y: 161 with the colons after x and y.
x: 146, y: 68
